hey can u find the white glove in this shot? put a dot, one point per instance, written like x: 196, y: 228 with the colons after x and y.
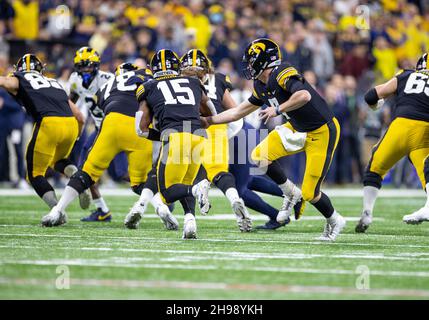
x: 139, y: 116
x: 377, y: 106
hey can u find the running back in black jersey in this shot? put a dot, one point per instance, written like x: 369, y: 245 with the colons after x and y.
x: 412, y: 95
x: 42, y: 96
x: 285, y: 80
x: 118, y: 95
x: 216, y: 85
x: 174, y: 102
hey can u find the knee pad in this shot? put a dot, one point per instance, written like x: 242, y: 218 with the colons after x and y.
x: 372, y: 179
x: 138, y: 188
x: 224, y: 181
x: 80, y: 181
x: 40, y: 185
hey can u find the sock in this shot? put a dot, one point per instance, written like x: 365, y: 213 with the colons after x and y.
x: 333, y: 217
x: 324, y: 206
x: 50, y: 199
x: 101, y: 204
x: 70, y: 170
x: 232, y: 195
x: 427, y: 195
x: 68, y: 196
x: 276, y: 173
x: 156, y: 200
x: 287, y: 188
x: 188, y: 204
x: 369, y: 196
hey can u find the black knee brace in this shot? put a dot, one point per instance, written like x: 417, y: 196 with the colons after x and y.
x: 40, y: 185
x: 426, y: 169
x: 138, y: 188
x: 61, y: 165
x: 372, y: 179
x: 80, y: 181
x: 224, y: 181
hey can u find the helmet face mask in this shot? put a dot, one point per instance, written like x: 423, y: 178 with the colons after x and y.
x: 29, y: 63
x: 260, y: 54
x: 86, y: 63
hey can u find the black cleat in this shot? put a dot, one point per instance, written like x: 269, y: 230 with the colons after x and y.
x: 298, y: 209
x: 271, y: 225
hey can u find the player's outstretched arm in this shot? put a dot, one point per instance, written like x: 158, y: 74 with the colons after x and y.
x: 10, y: 84
x: 381, y: 91
x: 227, y: 101
x: 207, y: 107
x: 233, y: 114
x: 78, y: 115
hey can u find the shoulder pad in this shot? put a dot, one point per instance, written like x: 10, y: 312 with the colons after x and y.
x: 283, y: 76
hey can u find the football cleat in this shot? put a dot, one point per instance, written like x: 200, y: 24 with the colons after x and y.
x: 417, y: 217
x: 189, y: 227
x: 333, y: 229
x: 54, y: 218
x: 98, y: 215
x: 201, y: 190
x: 270, y: 225
x: 289, y: 204
x: 167, y: 218
x: 298, y: 209
x: 244, y: 221
x: 132, y: 220
x: 364, y: 222
x: 85, y: 199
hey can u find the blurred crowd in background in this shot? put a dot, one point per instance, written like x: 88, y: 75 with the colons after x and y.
x: 341, y: 46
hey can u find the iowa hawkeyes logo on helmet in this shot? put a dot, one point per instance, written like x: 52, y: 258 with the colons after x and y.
x: 257, y: 48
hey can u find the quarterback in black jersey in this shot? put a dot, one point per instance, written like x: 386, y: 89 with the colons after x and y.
x: 57, y: 123
x: 195, y: 63
x: 310, y: 124
x: 116, y: 135
x: 407, y: 135
x: 175, y: 103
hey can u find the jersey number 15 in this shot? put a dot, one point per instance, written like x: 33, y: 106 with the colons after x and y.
x: 182, y: 95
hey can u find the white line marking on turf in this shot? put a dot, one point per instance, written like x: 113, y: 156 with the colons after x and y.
x: 125, y: 263
x: 334, y: 192
x: 163, y: 284
x: 148, y: 239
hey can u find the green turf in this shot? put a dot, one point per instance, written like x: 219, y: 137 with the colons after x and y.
x: 107, y: 261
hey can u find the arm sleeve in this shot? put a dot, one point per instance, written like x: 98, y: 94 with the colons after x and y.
x: 255, y: 99
x: 141, y: 93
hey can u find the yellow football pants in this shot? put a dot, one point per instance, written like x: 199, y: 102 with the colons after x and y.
x: 319, y: 148
x: 116, y: 135
x: 404, y: 137
x: 180, y: 160
x: 216, y: 150
x: 52, y: 140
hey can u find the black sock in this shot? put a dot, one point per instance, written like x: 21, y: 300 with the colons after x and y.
x: 426, y: 171
x: 188, y: 204
x: 324, y: 206
x: 276, y: 173
x: 224, y: 181
x: 41, y: 185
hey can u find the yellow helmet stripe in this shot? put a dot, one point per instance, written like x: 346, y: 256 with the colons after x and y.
x: 27, y: 62
x: 163, y: 67
x: 427, y: 60
x: 194, y: 57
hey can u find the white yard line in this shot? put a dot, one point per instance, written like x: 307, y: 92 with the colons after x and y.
x: 125, y: 263
x: 334, y: 192
x: 163, y: 284
x: 276, y: 241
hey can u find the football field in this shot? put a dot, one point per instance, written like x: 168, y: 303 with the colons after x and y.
x: 107, y: 261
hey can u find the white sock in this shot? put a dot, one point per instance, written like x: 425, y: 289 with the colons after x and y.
x: 232, y: 195
x: 287, y: 187
x: 156, y: 201
x: 427, y: 195
x: 101, y: 204
x: 68, y: 196
x: 146, y: 195
x: 369, y: 196
x: 333, y: 217
x: 50, y: 199
x: 70, y: 170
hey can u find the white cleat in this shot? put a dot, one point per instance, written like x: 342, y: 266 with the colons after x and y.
x: 189, y: 227
x: 54, y: 218
x: 132, y: 220
x: 167, y: 218
x: 288, y: 205
x: 333, y: 228
x: 85, y: 199
x: 417, y: 217
x: 244, y: 221
x: 201, y: 193
x: 364, y: 222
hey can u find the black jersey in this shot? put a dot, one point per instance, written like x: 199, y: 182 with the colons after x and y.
x: 216, y: 85
x: 412, y: 95
x: 42, y: 96
x: 118, y: 94
x: 174, y: 102
x: 284, y: 80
